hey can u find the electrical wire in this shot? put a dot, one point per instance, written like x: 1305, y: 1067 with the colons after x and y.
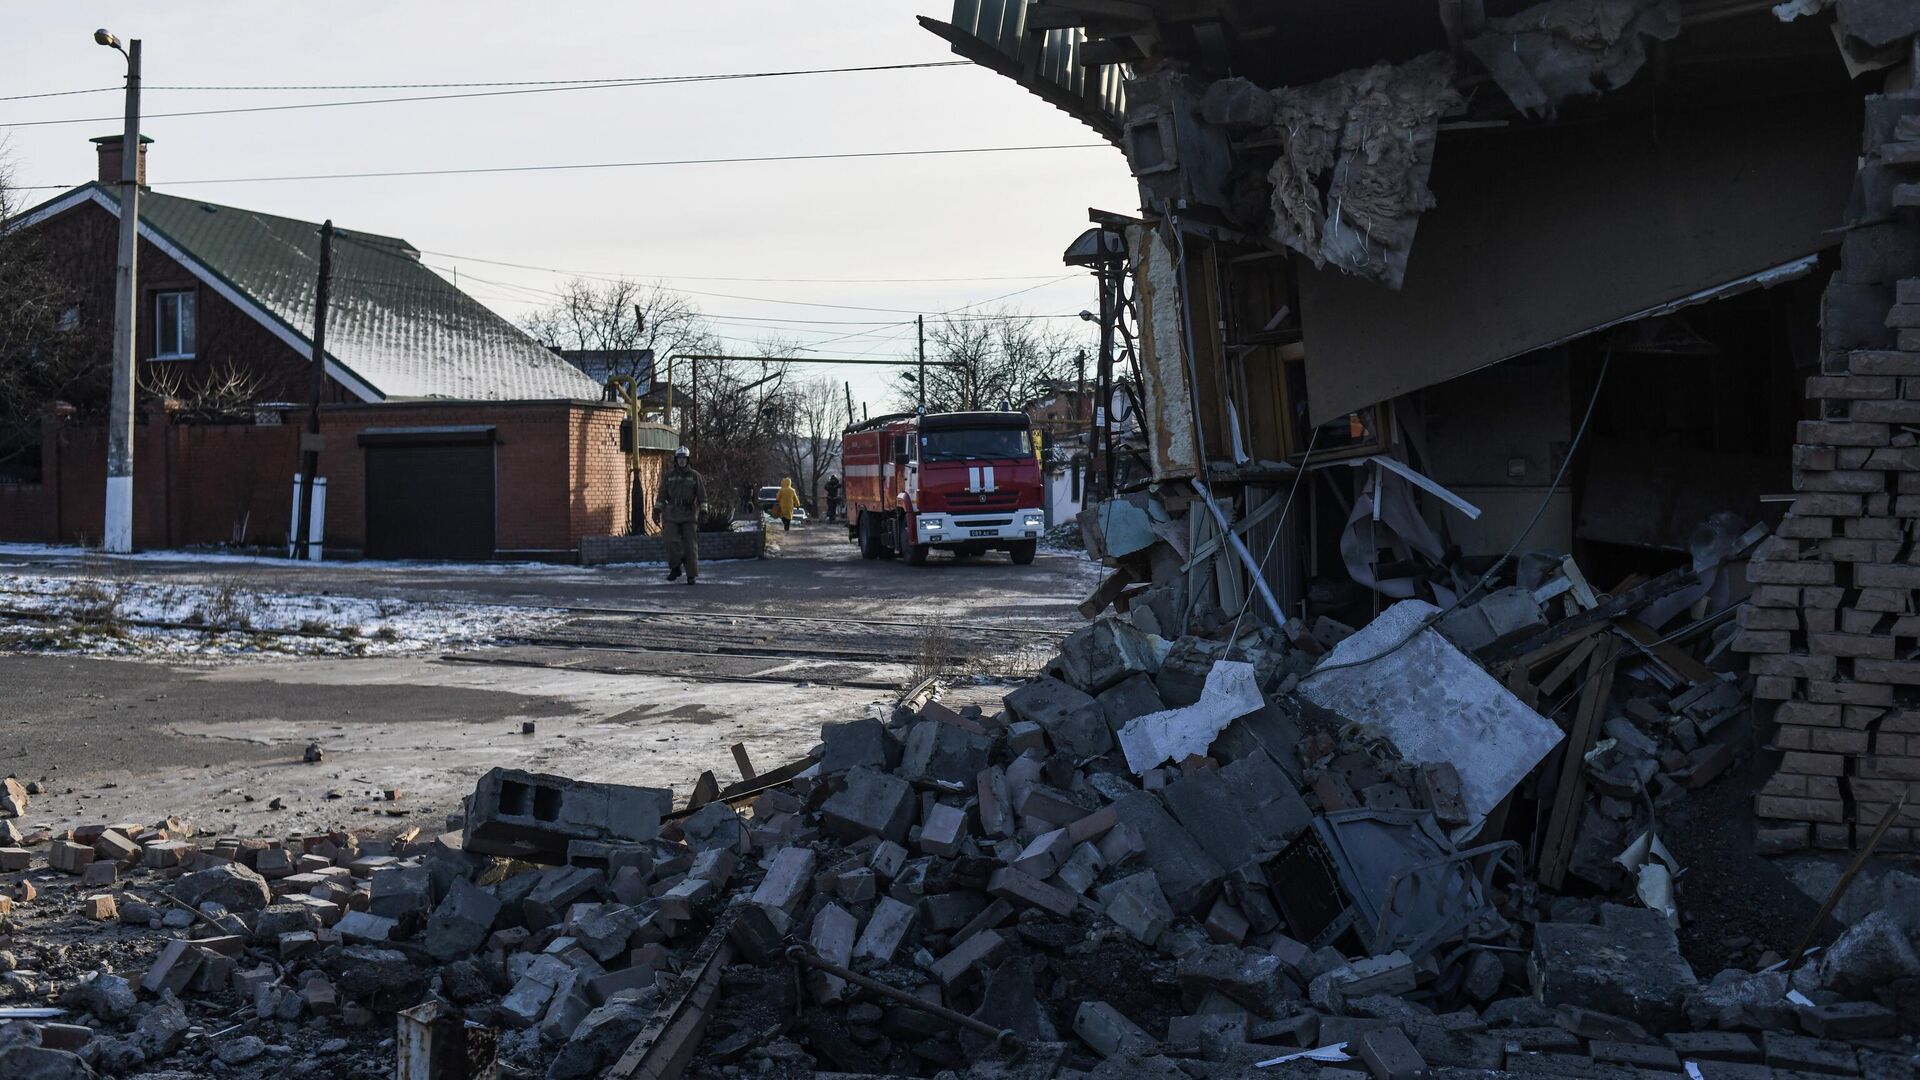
x: 392, y: 173
x: 57, y: 93
x: 1538, y: 513
x: 602, y: 275
x: 524, y: 88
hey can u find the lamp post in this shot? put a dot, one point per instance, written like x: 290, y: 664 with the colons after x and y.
x: 117, y: 536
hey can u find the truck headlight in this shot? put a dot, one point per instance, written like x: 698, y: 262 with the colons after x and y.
x: 1035, y: 521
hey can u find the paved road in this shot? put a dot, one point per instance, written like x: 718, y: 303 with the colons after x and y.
x: 643, y: 682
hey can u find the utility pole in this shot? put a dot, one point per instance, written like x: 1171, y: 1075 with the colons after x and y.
x: 310, y: 442
x: 117, y: 536
x: 849, y: 386
x: 920, y: 322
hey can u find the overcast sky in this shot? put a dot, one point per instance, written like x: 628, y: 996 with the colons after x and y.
x: 999, y: 220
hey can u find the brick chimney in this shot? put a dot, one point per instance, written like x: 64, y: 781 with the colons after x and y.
x: 109, y: 151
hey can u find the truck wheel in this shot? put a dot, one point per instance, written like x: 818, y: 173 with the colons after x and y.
x: 917, y: 554
x: 869, y: 543
x: 1022, y: 551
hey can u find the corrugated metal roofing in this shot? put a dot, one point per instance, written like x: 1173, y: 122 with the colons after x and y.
x: 401, y: 328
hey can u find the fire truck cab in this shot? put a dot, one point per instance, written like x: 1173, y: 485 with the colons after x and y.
x: 968, y: 482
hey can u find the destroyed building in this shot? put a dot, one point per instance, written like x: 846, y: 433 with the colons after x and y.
x: 1418, y: 285
x: 1519, y: 394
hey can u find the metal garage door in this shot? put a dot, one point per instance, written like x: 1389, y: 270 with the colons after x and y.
x: 430, y: 492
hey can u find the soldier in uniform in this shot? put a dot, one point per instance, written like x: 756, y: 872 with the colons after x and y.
x: 678, y: 511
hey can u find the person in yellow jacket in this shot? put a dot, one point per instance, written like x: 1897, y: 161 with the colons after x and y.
x: 786, y: 501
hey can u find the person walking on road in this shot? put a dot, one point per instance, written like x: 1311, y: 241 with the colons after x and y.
x: 833, y: 497
x: 786, y: 501
x: 677, y: 509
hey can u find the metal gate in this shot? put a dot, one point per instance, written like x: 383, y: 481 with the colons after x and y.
x: 430, y: 492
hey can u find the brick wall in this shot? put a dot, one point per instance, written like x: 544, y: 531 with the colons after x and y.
x: 560, y: 477
x: 1836, y: 603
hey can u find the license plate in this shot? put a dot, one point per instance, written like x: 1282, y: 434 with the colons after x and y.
x: 984, y: 532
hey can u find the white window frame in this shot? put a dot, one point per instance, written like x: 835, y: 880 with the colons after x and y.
x: 160, y: 352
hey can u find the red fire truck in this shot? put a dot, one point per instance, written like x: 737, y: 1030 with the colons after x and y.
x: 968, y: 482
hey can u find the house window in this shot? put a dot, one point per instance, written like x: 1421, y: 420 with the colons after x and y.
x: 173, y: 325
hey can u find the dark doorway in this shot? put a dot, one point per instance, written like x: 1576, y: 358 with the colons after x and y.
x: 430, y: 492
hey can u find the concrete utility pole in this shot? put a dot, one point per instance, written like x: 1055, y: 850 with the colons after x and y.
x: 920, y: 322
x: 311, y: 443
x: 117, y: 536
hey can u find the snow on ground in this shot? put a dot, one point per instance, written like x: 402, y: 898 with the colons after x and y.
x: 100, y: 611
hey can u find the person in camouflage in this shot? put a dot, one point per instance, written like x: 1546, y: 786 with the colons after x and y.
x: 677, y: 509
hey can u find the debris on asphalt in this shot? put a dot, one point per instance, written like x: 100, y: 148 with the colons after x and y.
x: 1186, y: 857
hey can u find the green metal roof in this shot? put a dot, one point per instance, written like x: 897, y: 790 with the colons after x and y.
x: 395, y: 324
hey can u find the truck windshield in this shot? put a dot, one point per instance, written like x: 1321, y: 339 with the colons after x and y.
x: 963, y: 444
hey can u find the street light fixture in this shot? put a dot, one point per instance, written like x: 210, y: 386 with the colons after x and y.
x: 117, y: 533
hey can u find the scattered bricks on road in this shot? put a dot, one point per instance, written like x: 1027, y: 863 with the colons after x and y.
x: 1072, y: 720
x: 872, y: 804
x: 969, y: 958
x: 685, y: 898
x: 885, y: 930
x: 1391, y: 973
x: 69, y: 857
x: 1851, y: 1021
x: 100, y: 873
x: 99, y: 907
x: 163, y: 854
x: 13, y: 858
x: 1225, y: 924
x: 887, y: 859
x: 1102, y: 1027
x: 1008, y: 883
x: 787, y: 880
x: 363, y: 928
x: 114, y: 846
x: 1389, y: 1056
x: 990, y: 917
x: 944, y: 830
x: 1050, y: 805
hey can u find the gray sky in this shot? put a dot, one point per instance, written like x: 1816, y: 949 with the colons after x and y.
x: 1000, y: 220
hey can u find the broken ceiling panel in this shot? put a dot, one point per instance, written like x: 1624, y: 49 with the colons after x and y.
x: 1365, y: 138
x: 1606, y: 221
x: 1571, y: 48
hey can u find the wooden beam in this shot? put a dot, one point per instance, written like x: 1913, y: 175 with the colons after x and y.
x: 1570, y: 795
x: 665, y: 1047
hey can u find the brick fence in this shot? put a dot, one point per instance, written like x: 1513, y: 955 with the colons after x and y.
x: 739, y: 544
x: 1835, y: 611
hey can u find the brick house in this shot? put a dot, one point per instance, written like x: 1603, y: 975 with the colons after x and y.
x: 449, y: 431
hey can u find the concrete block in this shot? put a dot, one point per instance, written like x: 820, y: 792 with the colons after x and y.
x: 1010, y: 884
x: 1100, y: 656
x: 1073, y: 722
x: 1131, y: 697
x: 943, y: 754
x: 533, y: 816
x: 889, y: 925
x: 1044, y: 854
x: 1629, y: 965
x: 787, y: 880
x: 554, y: 890
x: 1138, y: 906
x: 714, y: 826
x: 1102, y: 1027
x: 831, y: 938
x: 69, y: 857
x: 872, y: 804
x: 1081, y: 869
x: 1390, y: 1056
x: 944, y: 829
x: 966, y: 961
x: 857, y: 744
x: 1186, y: 872
x: 398, y: 891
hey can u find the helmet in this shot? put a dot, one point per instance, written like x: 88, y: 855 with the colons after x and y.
x: 680, y: 454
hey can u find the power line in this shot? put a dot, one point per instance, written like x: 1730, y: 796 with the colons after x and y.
x: 604, y: 275
x: 544, y: 87
x: 617, y: 165
x: 58, y: 93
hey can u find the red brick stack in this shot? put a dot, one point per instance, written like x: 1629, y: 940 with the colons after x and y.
x: 1834, y: 621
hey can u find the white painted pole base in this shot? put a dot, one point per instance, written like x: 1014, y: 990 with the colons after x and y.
x: 118, y: 538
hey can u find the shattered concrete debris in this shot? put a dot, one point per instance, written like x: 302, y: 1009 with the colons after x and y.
x: 1011, y: 886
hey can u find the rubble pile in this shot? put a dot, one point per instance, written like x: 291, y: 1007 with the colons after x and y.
x: 1162, y: 858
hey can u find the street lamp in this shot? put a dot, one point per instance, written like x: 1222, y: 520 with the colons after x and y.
x: 117, y: 535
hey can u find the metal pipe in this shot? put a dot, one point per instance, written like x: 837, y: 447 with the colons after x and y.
x: 1253, y: 568
x: 798, y: 954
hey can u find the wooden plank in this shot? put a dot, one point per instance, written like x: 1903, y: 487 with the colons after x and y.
x: 1564, y: 670
x: 1675, y: 658
x: 1107, y: 591
x: 1570, y: 795
x: 742, y: 761
x: 665, y: 1047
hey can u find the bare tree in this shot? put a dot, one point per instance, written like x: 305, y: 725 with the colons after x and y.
x: 600, y: 315
x: 739, y: 409
x: 810, y: 438
x: 52, y: 350
x: 1002, y: 360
